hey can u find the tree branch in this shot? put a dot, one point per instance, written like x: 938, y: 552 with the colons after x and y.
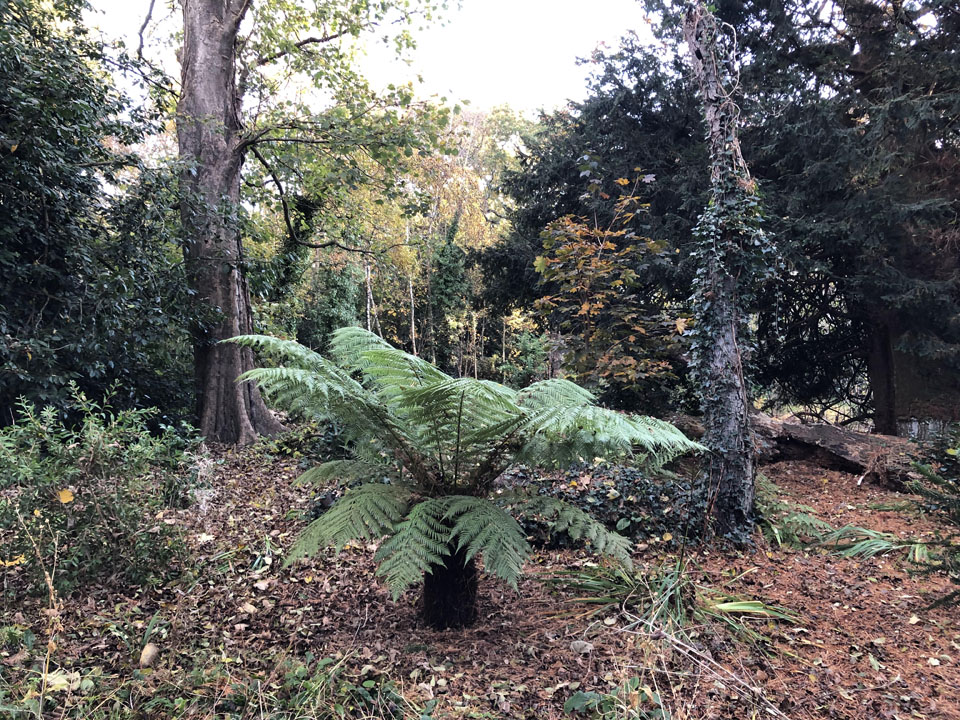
x: 283, y: 198
x: 313, y: 40
x: 146, y: 21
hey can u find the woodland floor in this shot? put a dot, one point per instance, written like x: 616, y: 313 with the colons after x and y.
x: 864, y: 645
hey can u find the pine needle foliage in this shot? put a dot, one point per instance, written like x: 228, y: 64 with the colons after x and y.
x: 428, y: 447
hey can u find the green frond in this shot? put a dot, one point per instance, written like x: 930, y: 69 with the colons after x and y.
x: 579, y: 525
x: 580, y: 432
x: 348, y: 344
x: 366, y: 513
x: 288, y: 352
x: 347, y: 471
x: 659, y: 441
x: 482, y: 527
x: 387, y: 367
x: 853, y: 541
x: 553, y: 393
x: 420, y: 542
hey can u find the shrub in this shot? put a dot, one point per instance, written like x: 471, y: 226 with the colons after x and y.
x: 79, y: 499
x: 626, y: 499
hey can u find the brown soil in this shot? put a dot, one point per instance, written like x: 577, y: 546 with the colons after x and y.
x: 864, y: 646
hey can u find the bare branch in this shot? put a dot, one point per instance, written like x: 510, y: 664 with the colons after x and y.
x: 146, y: 21
x: 283, y: 198
x: 313, y: 40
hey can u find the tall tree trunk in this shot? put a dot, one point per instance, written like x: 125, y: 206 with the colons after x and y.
x: 413, y: 317
x: 729, y: 494
x: 208, y: 133
x: 882, y: 375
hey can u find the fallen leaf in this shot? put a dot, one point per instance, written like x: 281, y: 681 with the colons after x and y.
x: 59, y: 680
x: 65, y: 496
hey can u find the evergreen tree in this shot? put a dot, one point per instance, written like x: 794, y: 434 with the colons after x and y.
x: 448, y: 296
x: 851, y: 113
x: 90, y: 287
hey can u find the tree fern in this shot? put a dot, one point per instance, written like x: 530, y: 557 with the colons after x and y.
x: 480, y: 526
x: 579, y: 525
x: 348, y: 471
x: 447, y: 439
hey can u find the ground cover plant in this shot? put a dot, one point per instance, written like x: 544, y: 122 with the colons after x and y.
x: 427, y: 450
x: 80, y: 497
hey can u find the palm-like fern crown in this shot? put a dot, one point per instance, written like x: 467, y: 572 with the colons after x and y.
x: 439, y: 443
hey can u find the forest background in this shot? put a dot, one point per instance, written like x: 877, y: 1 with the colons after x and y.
x: 499, y: 246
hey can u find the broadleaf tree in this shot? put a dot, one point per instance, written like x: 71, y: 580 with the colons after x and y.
x: 244, y: 65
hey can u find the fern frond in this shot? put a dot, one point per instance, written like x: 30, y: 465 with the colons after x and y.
x: 481, y: 527
x: 580, y: 432
x: 347, y: 471
x: 853, y: 541
x: 366, y: 513
x: 420, y: 542
x: 554, y: 393
x: 390, y: 369
x: 579, y: 525
x: 289, y: 352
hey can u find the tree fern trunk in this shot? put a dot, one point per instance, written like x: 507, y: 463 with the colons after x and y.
x: 450, y: 593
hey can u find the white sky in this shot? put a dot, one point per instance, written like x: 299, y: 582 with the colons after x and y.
x: 490, y: 52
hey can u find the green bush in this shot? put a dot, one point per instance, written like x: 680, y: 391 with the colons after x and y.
x: 78, y: 501
x: 630, y: 500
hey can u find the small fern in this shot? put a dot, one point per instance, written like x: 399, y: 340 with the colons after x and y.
x: 787, y: 523
x: 429, y: 448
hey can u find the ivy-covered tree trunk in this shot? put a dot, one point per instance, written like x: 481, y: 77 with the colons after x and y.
x: 208, y: 133
x: 450, y: 592
x: 729, y: 244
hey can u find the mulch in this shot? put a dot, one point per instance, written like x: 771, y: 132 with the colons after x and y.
x: 865, y: 644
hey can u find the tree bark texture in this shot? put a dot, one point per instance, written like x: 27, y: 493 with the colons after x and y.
x: 730, y: 489
x: 208, y: 134
x: 450, y: 592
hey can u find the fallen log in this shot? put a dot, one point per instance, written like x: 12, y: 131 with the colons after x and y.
x: 882, y: 459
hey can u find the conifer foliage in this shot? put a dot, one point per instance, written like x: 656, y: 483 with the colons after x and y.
x: 427, y: 449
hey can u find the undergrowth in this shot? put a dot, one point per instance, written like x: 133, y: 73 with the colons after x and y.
x: 320, y: 689
x: 82, y: 497
x: 666, y: 598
